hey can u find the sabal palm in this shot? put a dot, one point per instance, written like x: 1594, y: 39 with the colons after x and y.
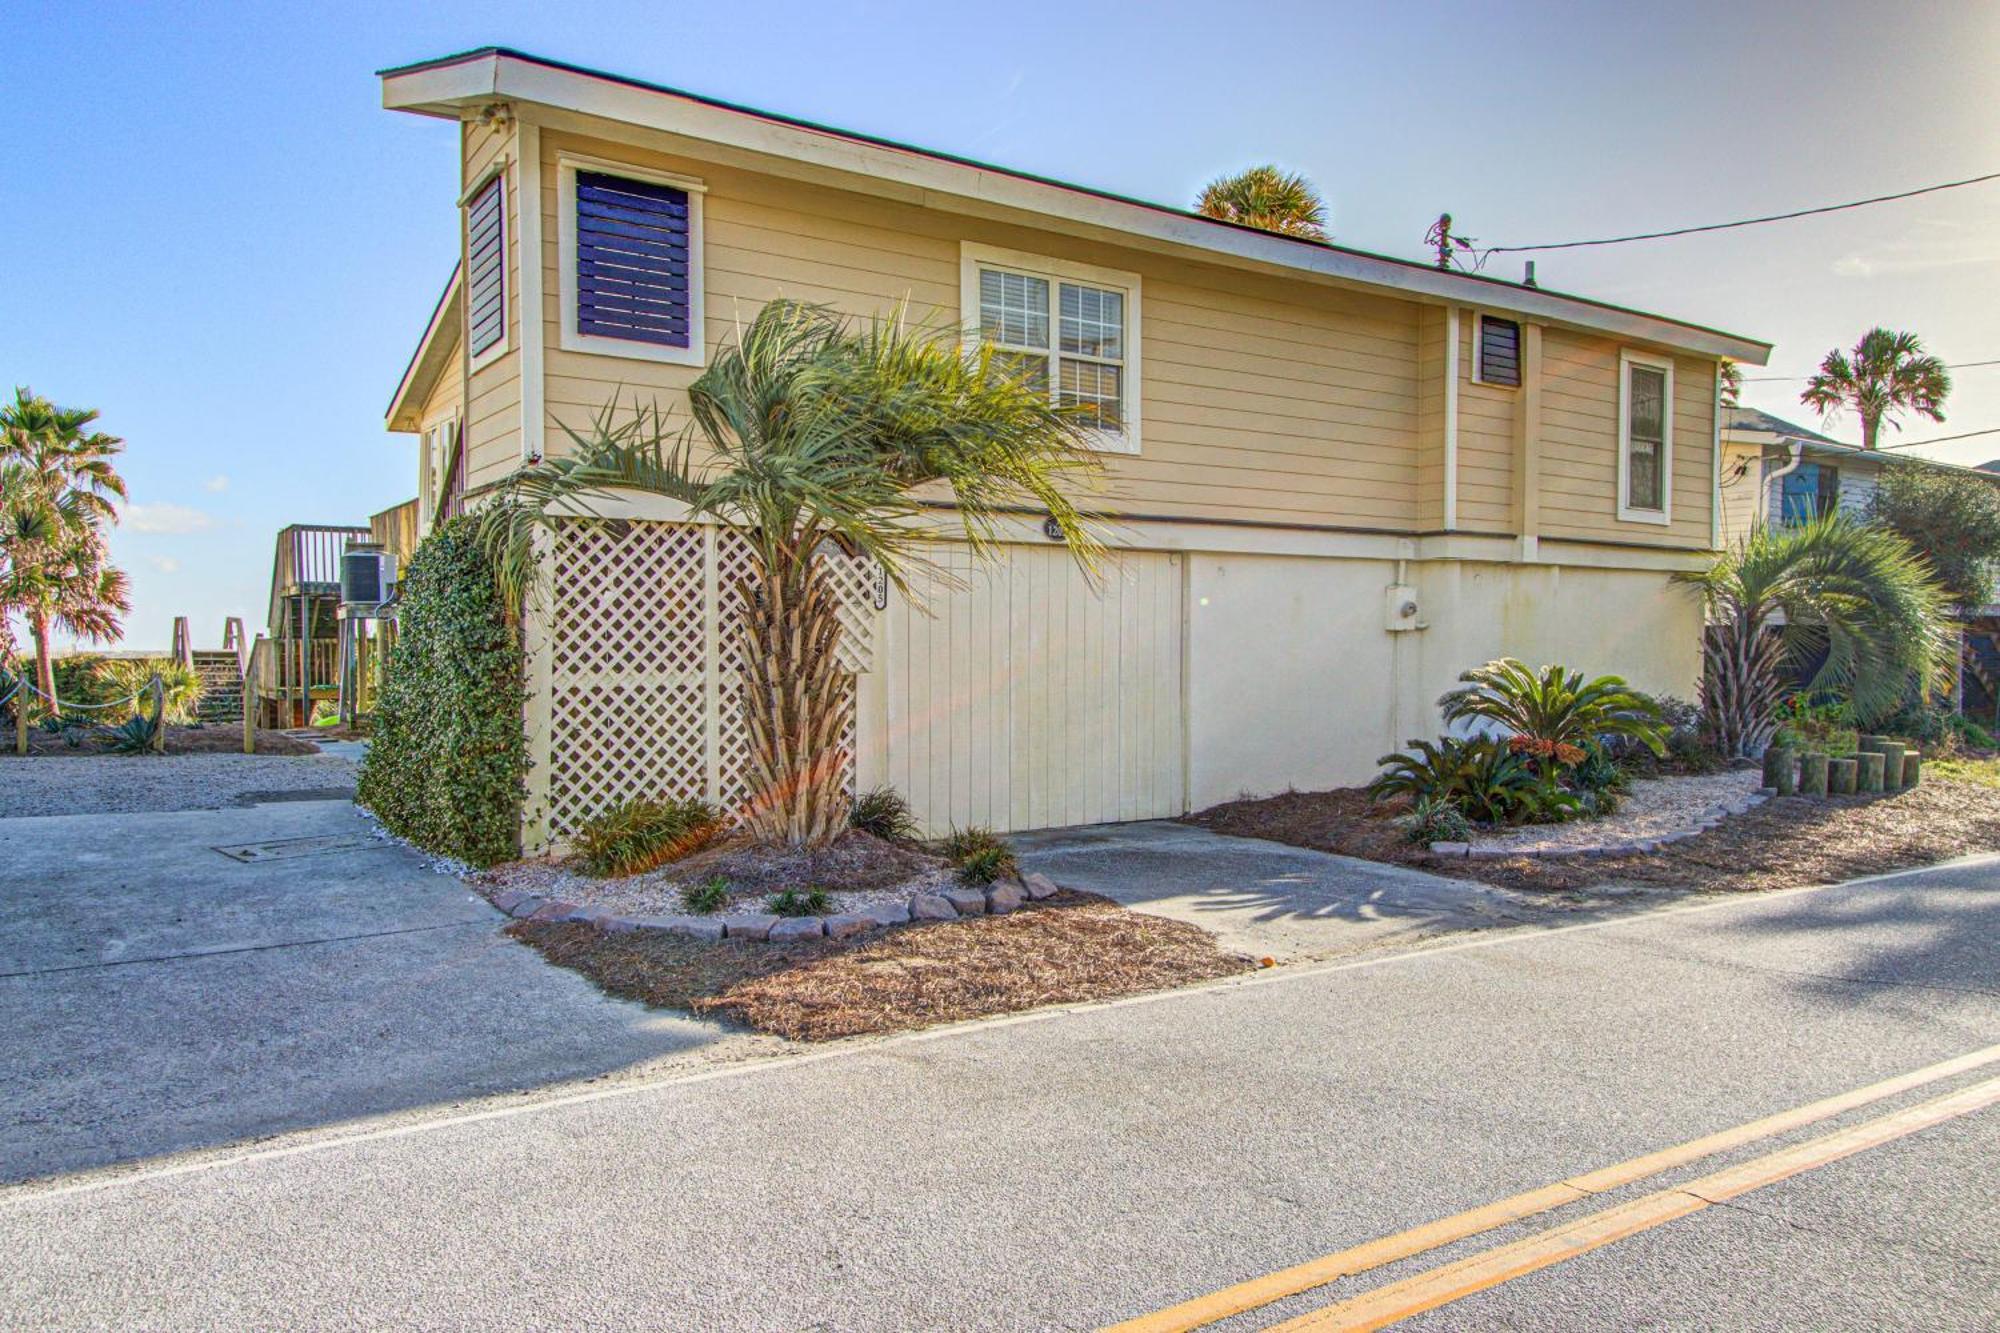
x: 63, y: 471
x: 1856, y: 593
x: 810, y: 433
x: 1555, y: 707
x: 1268, y: 198
x: 1887, y: 372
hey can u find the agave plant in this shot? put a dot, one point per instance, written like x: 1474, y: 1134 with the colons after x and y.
x: 135, y: 735
x: 1555, y: 713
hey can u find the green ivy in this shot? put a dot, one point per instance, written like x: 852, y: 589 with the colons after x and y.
x: 447, y: 763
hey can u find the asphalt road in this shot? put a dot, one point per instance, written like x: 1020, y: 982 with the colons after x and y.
x: 1069, y: 1169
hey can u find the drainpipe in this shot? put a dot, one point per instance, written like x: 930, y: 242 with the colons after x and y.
x: 1798, y: 449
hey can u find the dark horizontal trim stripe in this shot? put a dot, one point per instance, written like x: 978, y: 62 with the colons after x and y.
x: 601, y: 227
x: 618, y: 268
x: 643, y: 212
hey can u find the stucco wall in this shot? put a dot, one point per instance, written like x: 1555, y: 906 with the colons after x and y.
x: 1294, y: 681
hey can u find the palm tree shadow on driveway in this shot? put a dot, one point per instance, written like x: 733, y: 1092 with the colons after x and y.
x: 1265, y: 899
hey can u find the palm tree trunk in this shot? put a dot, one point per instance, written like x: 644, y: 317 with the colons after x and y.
x: 45, y: 667
x: 796, y: 702
x: 1871, y: 428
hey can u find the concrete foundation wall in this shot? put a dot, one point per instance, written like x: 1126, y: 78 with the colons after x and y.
x: 1293, y: 679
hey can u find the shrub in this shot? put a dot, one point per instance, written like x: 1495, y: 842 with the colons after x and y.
x: 127, y: 678
x: 797, y: 902
x: 445, y: 767
x: 884, y: 814
x: 711, y: 895
x: 633, y: 837
x: 1436, y: 821
x: 978, y: 854
x: 1556, y: 710
x: 985, y: 866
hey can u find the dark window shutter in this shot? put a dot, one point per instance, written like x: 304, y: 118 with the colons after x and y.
x: 486, y: 268
x: 632, y: 261
x: 1499, y: 351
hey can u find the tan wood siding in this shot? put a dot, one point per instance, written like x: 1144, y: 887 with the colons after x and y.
x: 1262, y: 399
x: 1580, y: 445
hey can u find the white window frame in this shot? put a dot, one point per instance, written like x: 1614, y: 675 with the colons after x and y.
x: 1479, y: 318
x: 570, y: 339
x: 973, y: 257
x: 505, y: 343
x: 1626, y: 513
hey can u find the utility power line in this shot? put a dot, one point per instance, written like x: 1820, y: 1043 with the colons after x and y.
x: 1940, y: 439
x: 1743, y: 222
x: 1799, y: 379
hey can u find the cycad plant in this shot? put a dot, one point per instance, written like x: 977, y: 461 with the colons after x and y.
x: 810, y: 435
x: 1267, y: 198
x: 1854, y: 597
x: 1555, y: 714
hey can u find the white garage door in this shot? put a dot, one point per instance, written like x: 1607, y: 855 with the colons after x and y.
x: 1028, y: 698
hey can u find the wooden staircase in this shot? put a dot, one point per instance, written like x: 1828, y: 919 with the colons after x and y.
x: 221, y: 685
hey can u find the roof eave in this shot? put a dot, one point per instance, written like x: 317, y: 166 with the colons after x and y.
x: 450, y: 85
x: 427, y: 364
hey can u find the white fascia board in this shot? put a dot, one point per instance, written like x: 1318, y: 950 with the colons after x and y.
x: 442, y: 89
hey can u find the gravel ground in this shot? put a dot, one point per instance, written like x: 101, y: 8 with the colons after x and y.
x: 658, y: 892
x: 1654, y: 806
x: 127, y: 784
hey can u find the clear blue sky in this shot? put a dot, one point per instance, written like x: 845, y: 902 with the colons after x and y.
x: 213, y: 234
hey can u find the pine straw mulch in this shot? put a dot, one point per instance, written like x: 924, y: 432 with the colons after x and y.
x: 1067, y: 949
x: 1785, y: 843
x: 222, y: 738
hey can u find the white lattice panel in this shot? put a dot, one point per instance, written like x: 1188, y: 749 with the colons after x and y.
x: 645, y: 665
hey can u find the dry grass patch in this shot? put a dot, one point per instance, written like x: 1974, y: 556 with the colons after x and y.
x: 1072, y: 948
x: 1786, y: 843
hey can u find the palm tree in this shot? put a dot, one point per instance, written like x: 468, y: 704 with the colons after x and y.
x: 1887, y: 373
x: 1268, y: 198
x: 1856, y: 593
x: 64, y: 489
x: 810, y: 434
x: 1729, y: 382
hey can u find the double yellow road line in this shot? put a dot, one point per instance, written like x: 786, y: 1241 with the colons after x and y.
x: 1449, y: 1282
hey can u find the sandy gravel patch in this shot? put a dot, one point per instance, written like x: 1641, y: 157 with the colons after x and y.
x: 130, y: 784
x: 1654, y: 806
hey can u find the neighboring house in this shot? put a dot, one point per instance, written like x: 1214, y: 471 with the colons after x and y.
x: 1780, y: 473
x: 1341, y: 479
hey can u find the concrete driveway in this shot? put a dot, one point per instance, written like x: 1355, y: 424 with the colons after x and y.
x: 1265, y: 899
x: 157, y: 994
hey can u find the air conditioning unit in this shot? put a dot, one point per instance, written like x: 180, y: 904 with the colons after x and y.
x: 367, y: 575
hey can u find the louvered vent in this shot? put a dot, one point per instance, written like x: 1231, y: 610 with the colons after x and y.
x: 631, y: 260
x: 486, y: 267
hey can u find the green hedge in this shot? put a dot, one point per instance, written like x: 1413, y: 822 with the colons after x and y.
x: 446, y: 765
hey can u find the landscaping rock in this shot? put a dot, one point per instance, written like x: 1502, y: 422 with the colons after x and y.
x: 507, y: 899
x: 932, y: 907
x: 1005, y: 897
x: 841, y: 925
x: 1039, y: 886
x: 553, y: 911
x: 699, y: 927
x: 527, y: 906
x: 1450, y: 848
x: 887, y: 914
x: 749, y: 925
x: 797, y: 928
x: 969, y: 902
